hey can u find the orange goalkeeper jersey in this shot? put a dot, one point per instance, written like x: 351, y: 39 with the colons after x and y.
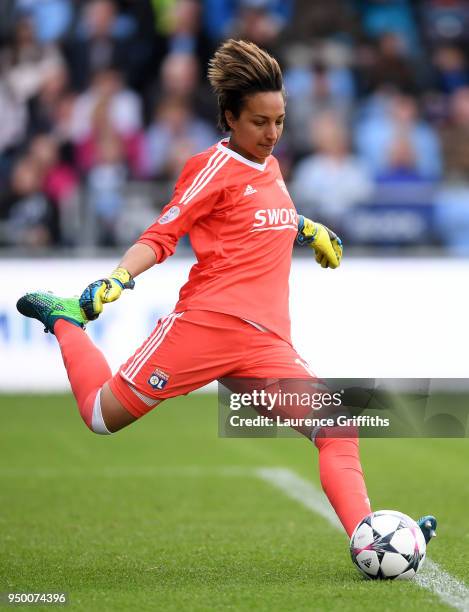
x: 242, y: 225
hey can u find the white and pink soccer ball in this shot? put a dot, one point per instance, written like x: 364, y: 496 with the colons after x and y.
x: 388, y: 545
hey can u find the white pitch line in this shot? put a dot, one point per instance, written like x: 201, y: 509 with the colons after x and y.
x: 432, y: 577
x: 449, y: 589
x: 300, y: 490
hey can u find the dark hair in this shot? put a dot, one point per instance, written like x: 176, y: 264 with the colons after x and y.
x: 240, y: 69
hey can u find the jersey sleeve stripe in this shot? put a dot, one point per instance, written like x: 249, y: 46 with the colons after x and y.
x: 201, y: 175
x: 220, y: 163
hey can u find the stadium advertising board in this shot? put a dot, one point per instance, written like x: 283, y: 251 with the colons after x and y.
x: 372, y: 318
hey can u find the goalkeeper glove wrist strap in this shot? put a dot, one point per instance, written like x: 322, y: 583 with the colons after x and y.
x: 307, y: 231
x: 123, y: 277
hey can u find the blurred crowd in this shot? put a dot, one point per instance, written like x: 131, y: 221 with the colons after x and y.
x: 103, y: 101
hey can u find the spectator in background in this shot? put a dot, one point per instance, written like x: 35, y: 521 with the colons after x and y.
x: 179, y: 31
x: 405, y: 178
x: 401, y: 182
x: 12, y: 128
x: 43, y: 108
x: 25, y: 67
x: 179, y: 78
x: 104, y: 38
x: 452, y: 201
x: 450, y: 23
x: 450, y: 67
x: 106, y: 189
x: 25, y: 64
x: 220, y: 15
x: 179, y: 75
x: 455, y: 137
x: 185, y: 33
x: 31, y: 218
x: 107, y: 105
x: 329, y: 183
x: 315, y: 19
x: 60, y: 185
x: 174, y: 135
x: 323, y: 83
x: 62, y: 128
x: 51, y: 18
x: 385, y: 63
x: 380, y: 17
x: 257, y: 23
x: 59, y: 180
x: 396, y: 119
x: 401, y: 162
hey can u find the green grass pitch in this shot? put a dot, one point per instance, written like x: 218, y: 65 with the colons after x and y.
x: 148, y: 519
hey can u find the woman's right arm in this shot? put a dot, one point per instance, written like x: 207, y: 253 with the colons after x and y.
x: 189, y: 202
x: 138, y: 258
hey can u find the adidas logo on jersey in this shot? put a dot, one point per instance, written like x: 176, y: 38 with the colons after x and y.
x: 249, y: 190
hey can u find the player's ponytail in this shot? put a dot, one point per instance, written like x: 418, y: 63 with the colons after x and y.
x: 237, y: 70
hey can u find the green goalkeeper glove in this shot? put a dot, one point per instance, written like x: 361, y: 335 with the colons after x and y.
x: 326, y: 245
x: 104, y: 291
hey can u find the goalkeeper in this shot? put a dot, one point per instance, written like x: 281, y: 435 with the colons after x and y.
x: 232, y: 317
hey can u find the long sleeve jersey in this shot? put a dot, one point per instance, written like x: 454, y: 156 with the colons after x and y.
x: 242, y: 224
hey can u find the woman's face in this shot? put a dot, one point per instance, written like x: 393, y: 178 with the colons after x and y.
x: 259, y: 126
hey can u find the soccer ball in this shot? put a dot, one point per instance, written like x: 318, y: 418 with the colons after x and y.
x: 388, y: 545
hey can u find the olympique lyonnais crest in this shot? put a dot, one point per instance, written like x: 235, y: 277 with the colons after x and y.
x: 158, y: 379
